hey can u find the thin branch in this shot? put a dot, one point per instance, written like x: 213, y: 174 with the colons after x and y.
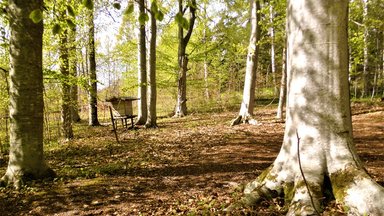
x: 302, y: 173
x: 357, y: 23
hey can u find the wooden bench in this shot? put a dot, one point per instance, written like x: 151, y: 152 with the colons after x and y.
x: 116, y: 116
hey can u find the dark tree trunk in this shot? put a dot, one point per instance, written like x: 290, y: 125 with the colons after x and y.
x: 73, y: 74
x: 66, y: 116
x: 93, y: 118
x: 181, y: 104
x: 142, y: 73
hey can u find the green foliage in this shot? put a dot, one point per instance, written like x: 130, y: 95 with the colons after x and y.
x: 70, y: 24
x: 56, y: 29
x: 182, y: 21
x: 129, y: 9
x: 88, y: 4
x: 159, y: 16
x: 143, y: 18
x: 36, y: 15
x: 70, y: 11
x: 116, y: 5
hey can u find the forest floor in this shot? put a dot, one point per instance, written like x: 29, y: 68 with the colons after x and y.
x: 195, y: 165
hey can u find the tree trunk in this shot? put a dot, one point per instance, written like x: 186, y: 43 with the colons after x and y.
x: 248, y: 103
x: 181, y: 104
x: 26, y: 157
x: 273, y: 62
x: 152, y: 94
x: 66, y: 116
x: 73, y: 74
x: 318, y: 153
x: 283, y: 88
x: 205, y: 41
x: 92, y: 97
x: 142, y: 72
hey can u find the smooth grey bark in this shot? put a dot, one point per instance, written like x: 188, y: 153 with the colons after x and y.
x: 66, y: 115
x: 92, y: 97
x: 151, y: 77
x: 318, y: 157
x: 367, y: 85
x: 206, y: 63
x: 181, y: 103
x: 283, y: 88
x: 142, y: 72
x: 248, y: 103
x: 26, y: 157
x: 273, y: 61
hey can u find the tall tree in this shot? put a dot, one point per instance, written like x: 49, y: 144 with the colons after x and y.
x: 26, y: 157
x: 73, y: 74
x: 92, y: 97
x: 142, y: 69
x: 151, y: 77
x: 248, y: 102
x: 66, y: 115
x: 273, y: 55
x: 318, y: 156
x: 181, y: 104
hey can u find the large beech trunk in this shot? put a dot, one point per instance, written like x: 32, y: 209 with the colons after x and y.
x: 318, y: 153
x: 26, y: 158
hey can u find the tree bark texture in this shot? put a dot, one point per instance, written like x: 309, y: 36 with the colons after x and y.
x: 26, y: 158
x: 181, y: 104
x: 92, y: 98
x: 248, y: 102
x: 142, y: 72
x: 318, y: 157
x: 283, y: 88
x: 73, y: 74
x: 66, y: 115
x: 152, y: 92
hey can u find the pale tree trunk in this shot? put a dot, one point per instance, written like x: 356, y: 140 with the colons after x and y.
x: 92, y: 97
x: 26, y: 157
x: 248, y: 102
x: 205, y: 40
x: 273, y: 62
x: 142, y: 72
x: 367, y: 68
x: 73, y: 74
x: 66, y: 116
x: 283, y: 88
x: 181, y: 103
x: 318, y: 153
x: 152, y: 92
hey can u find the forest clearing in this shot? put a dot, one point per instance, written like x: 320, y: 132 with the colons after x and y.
x: 195, y: 165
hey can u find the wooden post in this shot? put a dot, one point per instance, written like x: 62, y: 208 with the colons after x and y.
x: 113, y: 125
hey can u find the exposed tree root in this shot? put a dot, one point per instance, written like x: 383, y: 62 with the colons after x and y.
x: 151, y: 125
x: 17, y: 179
x: 352, y: 188
x: 245, y: 120
x: 140, y: 121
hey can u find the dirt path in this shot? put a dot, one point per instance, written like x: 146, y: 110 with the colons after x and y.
x: 194, y: 165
